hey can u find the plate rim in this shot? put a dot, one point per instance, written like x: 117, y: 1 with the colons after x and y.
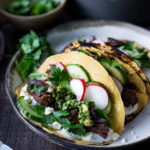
x: 63, y: 142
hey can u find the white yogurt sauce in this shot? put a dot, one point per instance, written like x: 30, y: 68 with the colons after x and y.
x: 131, y: 109
x: 90, y: 136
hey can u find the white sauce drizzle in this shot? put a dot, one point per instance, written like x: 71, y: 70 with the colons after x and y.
x: 131, y: 109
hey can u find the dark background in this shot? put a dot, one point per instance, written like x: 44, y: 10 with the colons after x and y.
x: 13, y: 132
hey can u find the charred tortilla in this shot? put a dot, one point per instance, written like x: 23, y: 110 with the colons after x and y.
x: 97, y: 73
x: 134, y: 74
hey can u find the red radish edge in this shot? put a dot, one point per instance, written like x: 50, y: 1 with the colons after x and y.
x: 84, y: 86
x: 62, y: 65
x: 106, y: 92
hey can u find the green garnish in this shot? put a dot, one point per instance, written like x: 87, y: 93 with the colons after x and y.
x: 32, y: 7
x: 59, y: 117
x: 59, y: 77
x: 64, y: 98
x: 33, y: 48
x: 37, y: 88
x: 84, y: 113
x: 101, y: 113
x: 138, y: 55
x: 83, y: 51
x: 36, y: 75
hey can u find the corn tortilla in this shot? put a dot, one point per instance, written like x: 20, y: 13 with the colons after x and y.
x: 97, y: 73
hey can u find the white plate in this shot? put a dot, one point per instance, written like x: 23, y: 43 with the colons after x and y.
x: 139, y: 128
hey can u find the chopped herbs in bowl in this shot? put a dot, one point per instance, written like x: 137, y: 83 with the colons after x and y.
x: 32, y: 7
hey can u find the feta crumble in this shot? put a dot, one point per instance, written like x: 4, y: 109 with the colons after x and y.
x: 48, y: 110
x: 56, y: 125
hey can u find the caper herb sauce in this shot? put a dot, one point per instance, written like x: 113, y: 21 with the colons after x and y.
x: 66, y: 100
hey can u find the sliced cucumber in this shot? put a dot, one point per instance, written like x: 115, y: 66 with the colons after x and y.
x: 114, y: 68
x: 77, y: 71
x: 29, y: 111
x: 94, y: 82
x: 108, y: 109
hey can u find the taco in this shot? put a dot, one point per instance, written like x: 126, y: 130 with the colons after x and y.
x: 72, y: 96
x: 128, y: 77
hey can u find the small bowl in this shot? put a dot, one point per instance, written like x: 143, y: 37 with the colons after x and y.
x: 27, y: 23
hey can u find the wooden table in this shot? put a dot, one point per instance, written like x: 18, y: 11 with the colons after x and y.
x: 13, y: 131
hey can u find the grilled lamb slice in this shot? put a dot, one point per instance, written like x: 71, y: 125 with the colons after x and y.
x: 129, y: 97
x: 38, y: 89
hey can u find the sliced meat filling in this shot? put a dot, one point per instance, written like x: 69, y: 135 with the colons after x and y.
x: 115, y: 43
x: 38, y: 89
x: 129, y: 97
x: 100, y: 125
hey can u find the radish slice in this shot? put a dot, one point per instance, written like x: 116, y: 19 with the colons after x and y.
x: 98, y: 95
x: 61, y: 66
x: 118, y: 84
x: 78, y: 86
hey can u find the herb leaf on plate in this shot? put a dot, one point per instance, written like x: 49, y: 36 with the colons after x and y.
x: 33, y: 48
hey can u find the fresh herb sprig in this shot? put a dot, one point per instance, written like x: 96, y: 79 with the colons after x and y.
x: 32, y: 7
x: 59, y: 117
x: 33, y: 48
x: 138, y: 55
x: 59, y: 77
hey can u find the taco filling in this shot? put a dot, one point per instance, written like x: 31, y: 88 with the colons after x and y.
x: 126, y: 79
x: 66, y: 99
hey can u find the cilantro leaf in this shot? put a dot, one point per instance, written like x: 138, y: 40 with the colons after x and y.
x: 77, y: 129
x: 58, y: 116
x: 32, y: 7
x: 59, y: 77
x: 138, y: 55
x: 39, y: 109
x: 47, y: 119
x: 33, y: 48
x: 25, y: 66
x: 100, y: 113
